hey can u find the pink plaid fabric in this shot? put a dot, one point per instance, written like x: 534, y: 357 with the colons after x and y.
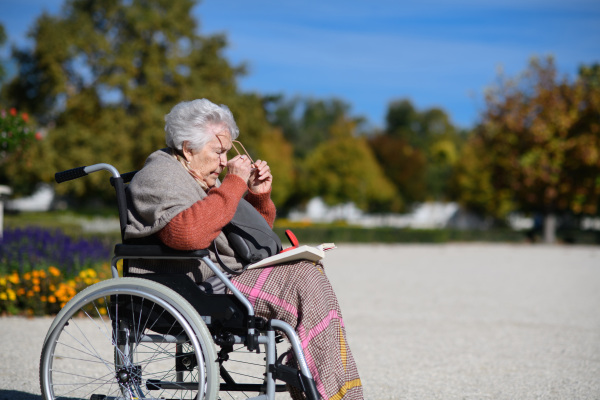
x: 301, y: 295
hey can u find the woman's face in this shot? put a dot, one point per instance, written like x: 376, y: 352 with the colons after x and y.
x: 210, y: 161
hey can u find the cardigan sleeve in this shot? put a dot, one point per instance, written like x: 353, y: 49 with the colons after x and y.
x: 264, y: 205
x: 197, y: 226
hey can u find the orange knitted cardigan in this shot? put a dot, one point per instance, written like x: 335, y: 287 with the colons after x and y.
x: 196, y: 227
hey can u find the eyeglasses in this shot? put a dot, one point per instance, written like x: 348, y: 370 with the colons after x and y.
x: 234, y: 144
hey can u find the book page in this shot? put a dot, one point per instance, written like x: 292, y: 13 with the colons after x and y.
x: 309, y: 253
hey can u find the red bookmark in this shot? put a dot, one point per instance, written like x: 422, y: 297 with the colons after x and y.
x: 293, y: 240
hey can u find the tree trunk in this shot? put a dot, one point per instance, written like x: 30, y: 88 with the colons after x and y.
x: 550, y: 228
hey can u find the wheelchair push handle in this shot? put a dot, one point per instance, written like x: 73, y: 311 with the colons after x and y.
x: 79, y: 172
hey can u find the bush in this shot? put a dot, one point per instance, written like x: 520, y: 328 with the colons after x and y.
x: 15, y: 133
x: 314, y: 234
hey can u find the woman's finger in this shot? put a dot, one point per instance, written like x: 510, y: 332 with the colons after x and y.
x: 260, y: 165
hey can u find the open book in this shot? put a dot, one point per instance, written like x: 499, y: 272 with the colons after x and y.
x: 310, y: 253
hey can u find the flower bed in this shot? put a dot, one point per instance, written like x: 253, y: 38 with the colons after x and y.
x: 44, y: 291
x: 30, y: 248
x: 41, y: 269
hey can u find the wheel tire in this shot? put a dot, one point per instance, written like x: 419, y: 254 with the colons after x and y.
x: 72, y: 365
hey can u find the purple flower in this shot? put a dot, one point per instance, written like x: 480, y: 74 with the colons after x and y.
x: 24, y: 249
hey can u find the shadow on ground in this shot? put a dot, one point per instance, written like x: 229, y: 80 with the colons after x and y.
x: 16, y: 395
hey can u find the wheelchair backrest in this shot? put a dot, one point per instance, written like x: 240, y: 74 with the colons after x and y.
x: 120, y: 184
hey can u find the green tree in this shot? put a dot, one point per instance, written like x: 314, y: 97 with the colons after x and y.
x: 426, y: 146
x: 306, y: 123
x: 402, y: 121
x: 344, y: 169
x: 102, y: 75
x: 2, y: 41
x: 402, y: 164
x: 472, y: 183
x: 279, y: 153
x: 538, y: 145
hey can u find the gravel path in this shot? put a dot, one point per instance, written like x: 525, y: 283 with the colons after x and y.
x: 473, y: 321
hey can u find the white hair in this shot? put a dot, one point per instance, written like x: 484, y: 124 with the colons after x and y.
x: 194, y: 121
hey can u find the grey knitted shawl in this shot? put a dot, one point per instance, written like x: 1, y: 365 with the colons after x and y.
x: 157, y: 193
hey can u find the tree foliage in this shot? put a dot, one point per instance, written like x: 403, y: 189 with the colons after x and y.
x: 2, y: 41
x: 274, y: 148
x: 306, y: 122
x: 402, y: 164
x: 102, y: 75
x: 538, y: 146
x: 417, y: 150
x: 344, y: 169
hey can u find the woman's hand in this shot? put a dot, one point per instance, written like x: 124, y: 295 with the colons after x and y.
x: 240, y: 166
x: 261, y: 178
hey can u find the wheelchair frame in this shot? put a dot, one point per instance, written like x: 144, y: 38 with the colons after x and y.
x: 227, y: 320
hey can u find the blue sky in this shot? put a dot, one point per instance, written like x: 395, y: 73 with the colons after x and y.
x: 436, y: 53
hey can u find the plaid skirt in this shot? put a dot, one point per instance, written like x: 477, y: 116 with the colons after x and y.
x: 301, y: 295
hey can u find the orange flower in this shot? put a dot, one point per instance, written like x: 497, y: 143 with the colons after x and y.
x: 25, y: 117
x: 14, y: 278
x: 54, y: 271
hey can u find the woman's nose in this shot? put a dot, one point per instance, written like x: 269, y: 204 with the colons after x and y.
x: 223, y: 159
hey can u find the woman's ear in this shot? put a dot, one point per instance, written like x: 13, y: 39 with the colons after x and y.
x: 187, y: 153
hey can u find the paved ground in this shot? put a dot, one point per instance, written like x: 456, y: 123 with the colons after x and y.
x: 436, y: 322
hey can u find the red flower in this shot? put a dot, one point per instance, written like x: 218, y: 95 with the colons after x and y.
x: 13, y: 112
x: 25, y: 117
x: 38, y: 136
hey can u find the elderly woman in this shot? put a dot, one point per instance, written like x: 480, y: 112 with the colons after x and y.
x: 177, y: 198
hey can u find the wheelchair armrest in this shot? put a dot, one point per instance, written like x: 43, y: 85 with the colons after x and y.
x: 155, y: 250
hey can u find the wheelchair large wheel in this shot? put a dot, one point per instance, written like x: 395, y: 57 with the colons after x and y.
x: 128, y: 338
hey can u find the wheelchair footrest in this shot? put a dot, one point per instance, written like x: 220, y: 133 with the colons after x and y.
x: 294, y: 377
x: 289, y: 375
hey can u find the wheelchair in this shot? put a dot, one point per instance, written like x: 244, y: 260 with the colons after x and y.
x: 160, y: 337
